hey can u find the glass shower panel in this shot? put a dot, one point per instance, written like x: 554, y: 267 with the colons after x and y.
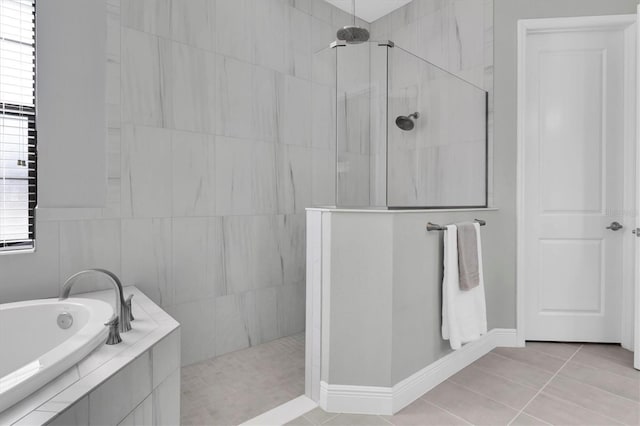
x: 442, y: 160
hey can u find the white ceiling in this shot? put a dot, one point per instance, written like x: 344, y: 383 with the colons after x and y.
x: 369, y: 10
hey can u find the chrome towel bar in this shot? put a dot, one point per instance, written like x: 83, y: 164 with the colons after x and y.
x: 436, y: 227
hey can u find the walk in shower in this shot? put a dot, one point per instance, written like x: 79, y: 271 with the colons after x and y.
x: 408, y: 134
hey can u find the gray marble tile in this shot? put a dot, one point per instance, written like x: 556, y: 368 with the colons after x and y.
x: 259, y: 310
x: 142, y: 89
x: 165, y: 358
x: 121, y: 393
x: 193, y: 23
x: 293, y: 178
x: 147, y: 248
x: 323, y: 119
x: 267, y: 85
x: 197, y: 329
x: 146, y: 172
x: 190, y: 260
x: 193, y: 189
x: 234, y: 98
x: 291, y: 310
x: 233, y: 36
x: 166, y: 401
x: 323, y: 177
x: 191, y: 80
x: 150, y: 16
x: 298, y: 44
x: 292, y: 247
x: 295, y: 108
x: 270, y: 27
x: 141, y: 415
x: 231, y: 329
x: 89, y: 244
x: 245, y: 177
x: 76, y: 415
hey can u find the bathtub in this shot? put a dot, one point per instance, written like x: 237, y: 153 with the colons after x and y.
x: 34, y: 349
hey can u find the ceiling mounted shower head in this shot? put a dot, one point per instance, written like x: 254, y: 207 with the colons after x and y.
x: 407, y: 122
x: 353, y: 34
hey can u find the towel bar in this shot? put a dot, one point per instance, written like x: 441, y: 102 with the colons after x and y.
x: 436, y: 227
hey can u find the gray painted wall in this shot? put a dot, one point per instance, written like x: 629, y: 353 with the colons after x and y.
x: 506, y: 15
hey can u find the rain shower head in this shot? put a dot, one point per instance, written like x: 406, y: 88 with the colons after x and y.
x: 407, y: 122
x: 353, y: 34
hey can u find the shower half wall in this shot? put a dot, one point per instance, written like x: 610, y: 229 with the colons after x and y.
x: 408, y: 134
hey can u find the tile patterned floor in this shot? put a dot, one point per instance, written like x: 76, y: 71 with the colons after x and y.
x: 236, y: 387
x: 544, y: 383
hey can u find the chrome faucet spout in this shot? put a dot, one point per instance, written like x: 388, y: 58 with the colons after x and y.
x: 123, y: 307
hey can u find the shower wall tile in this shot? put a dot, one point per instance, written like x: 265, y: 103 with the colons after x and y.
x: 270, y: 26
x: 291, y: 308
x: 89, y: 244
x: 193, y: 156
x: 302, y: 5
x: 146, y: 172
x: 266, y: 92
x: 245, y: 177
x: 293, y: 178
x: 231, y: 329
x: 150, y: 16
x: 260, y: 313
x: 190, y: 260
x: 295, y: 112
x: 147, y: 249
x: 235, y: 35
x: 291, y: 245
x: 193, y: 23
x: 142, y: 91
x: 297, y: 44
x: 323, y: 177
x: 323, y: 116
x: 322, y: 10
x: 234, y: 95
x: 197, y: 329
x: 190, y: 79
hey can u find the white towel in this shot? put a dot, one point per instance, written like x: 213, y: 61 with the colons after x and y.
x: 464, y: 313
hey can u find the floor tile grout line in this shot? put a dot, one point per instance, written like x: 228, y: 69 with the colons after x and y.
x: 484, y: 395
x: 491, y: 373
x: 446, y: 411
x: 557, y: 398
x: 528, y: 364
x: 535, y: 350
x: 472, y: 391
x: 385, y: 420
x: 545, y: 385
x: 636, y: 402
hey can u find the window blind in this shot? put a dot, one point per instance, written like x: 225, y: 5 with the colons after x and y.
x: 17, y: 125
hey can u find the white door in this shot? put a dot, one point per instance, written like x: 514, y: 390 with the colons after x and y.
x: 573, y: 185
x: 636, y: 322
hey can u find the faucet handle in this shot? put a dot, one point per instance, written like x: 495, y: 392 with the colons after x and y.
x: 114, y: 333
x: 127, y: 303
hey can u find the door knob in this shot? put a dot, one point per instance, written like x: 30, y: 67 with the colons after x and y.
x: 615, y: 226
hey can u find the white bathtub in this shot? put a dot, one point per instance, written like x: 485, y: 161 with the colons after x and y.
x: 34, y: 349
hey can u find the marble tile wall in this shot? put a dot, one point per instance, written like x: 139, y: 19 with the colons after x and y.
x: 219, y: 115
x: 457, y: 36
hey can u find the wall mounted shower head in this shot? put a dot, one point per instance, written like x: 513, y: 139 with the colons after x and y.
x: 407, y: 122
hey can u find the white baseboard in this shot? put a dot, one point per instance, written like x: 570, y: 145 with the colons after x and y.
x: 284, y: 413
x: 390, y: 400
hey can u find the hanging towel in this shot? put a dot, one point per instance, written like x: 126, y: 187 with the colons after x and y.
x: 468, y: 256
x: 464, y: 313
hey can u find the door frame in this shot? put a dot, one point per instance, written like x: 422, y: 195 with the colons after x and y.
x: 528, y: 27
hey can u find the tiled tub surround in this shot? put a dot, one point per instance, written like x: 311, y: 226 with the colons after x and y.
x: 134, y: 382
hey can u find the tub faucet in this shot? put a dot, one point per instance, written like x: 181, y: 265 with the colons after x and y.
x: 123, y: 307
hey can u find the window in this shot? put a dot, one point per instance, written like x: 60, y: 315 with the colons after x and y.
x: 17, y: 125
